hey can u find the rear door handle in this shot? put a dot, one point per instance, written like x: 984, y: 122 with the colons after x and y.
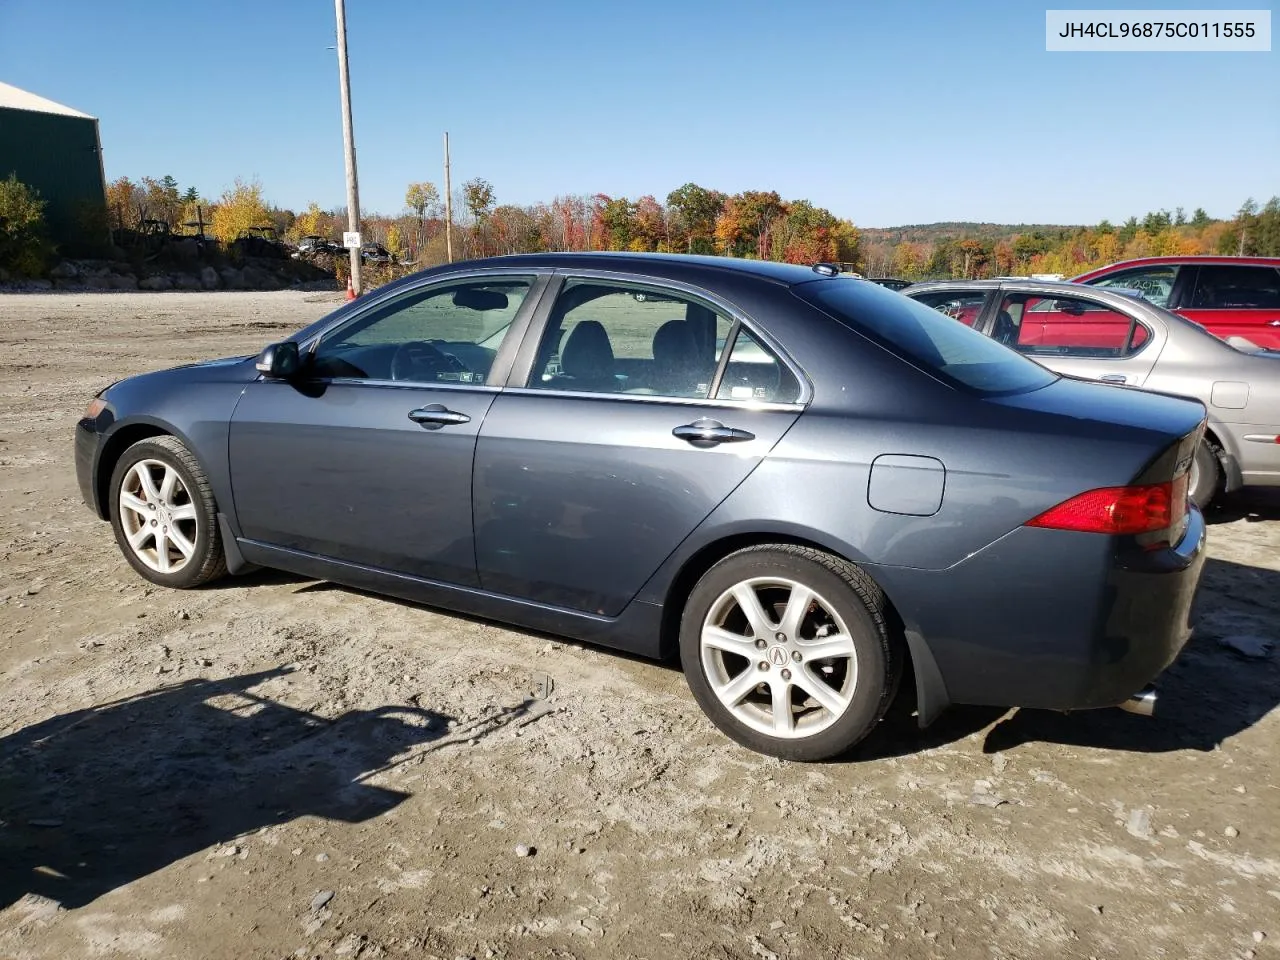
x: 1113, y: 378
x: 437, y: 415
x: 710, y: 432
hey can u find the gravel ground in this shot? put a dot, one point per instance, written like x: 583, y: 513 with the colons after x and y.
x: 274, y: 767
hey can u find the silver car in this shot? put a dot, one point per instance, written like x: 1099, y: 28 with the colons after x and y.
x: 1118, y: 337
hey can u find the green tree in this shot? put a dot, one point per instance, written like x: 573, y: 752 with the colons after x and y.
x: 1199, y: 219
x: 24, y: 239
x: 191, y: 195
x: 695, y: 210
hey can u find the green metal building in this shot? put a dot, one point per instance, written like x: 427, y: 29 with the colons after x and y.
x: 57, y: 151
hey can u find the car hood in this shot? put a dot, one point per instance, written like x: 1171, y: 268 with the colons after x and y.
x: 223, y: 370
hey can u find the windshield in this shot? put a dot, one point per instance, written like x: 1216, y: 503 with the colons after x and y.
x: 926, y: 338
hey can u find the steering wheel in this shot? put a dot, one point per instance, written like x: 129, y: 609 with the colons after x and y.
x: 423, y: 360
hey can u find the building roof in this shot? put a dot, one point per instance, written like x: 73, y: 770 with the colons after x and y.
x: 14, y: 99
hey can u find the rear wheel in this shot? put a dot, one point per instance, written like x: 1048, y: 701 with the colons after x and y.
x: 164, y: 515
x: 1205, y: 481
x: 787, y: 650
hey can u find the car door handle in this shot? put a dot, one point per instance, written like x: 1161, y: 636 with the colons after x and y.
x: 437, y: 415
x: 1113, y: 378
x: 710, y: 432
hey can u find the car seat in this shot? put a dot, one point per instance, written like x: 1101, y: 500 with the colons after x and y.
x: 677, y: 369
x: 586, y: 362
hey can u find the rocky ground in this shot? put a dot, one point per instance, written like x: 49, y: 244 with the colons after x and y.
x: 277, y: 768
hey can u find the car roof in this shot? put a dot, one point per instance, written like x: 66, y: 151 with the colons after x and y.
x: 1187, y: 260
x: 652, y: 263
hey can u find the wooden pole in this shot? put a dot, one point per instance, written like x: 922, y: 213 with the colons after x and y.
x: 348, y: 142
x: 448, y: 202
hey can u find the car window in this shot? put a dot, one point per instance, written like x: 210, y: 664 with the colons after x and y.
x: 1066, y: 327
x: 924, y: 337
x: 448, y: 333
x: 631, y: 339
x: 1155, y: 283
x: 963, y: 306
x: 1227, y: 287
x: 754, y: 373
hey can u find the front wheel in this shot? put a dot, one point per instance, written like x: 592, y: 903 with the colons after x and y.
x: 164, y: 516
x: 788, y: 651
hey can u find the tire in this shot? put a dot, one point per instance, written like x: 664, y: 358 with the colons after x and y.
x: 187, y: 505
x: 843, y: 610
x: 1206, y: 475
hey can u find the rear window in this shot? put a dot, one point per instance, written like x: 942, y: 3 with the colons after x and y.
x: 926, y: 338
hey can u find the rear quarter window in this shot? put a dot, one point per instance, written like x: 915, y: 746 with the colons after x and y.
x: 926, y: 338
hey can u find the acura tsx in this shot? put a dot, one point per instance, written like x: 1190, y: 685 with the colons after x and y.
x: 797, y: 483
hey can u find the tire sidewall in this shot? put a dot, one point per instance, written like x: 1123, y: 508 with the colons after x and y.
x: 206, y: 516
x: 1210, y: 477
x: 870, y: 645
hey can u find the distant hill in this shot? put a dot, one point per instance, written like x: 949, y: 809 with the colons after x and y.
x: 931, y: 232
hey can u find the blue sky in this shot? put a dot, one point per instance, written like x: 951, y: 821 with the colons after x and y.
x: 886, y: 113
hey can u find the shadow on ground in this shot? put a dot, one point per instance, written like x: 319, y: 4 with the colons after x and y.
x: 97, y: 798
x: 1254, y: 504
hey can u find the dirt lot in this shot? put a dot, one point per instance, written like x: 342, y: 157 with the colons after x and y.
x: 278, y: 768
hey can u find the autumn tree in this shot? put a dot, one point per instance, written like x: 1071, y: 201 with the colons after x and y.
x: 422, y: 199
x: 240, y: 207
x: 478, y: 197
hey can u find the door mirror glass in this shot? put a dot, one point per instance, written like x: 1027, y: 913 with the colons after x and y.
x: 279, y: 361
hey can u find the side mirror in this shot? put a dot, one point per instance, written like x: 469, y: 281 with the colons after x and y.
x: 279, y: 361
x: 1073, y: 308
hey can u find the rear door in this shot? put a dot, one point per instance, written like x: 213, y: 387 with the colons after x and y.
x: 1081, y: 337
x: 636, y: 408
x: 1236, y: 301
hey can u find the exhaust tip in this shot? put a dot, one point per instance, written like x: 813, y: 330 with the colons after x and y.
x: 1143, y: 703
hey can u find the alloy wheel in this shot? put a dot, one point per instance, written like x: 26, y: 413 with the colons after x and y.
x: 779, y: 657
x: 158, y: 516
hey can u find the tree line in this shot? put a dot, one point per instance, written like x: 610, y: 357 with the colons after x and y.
x: 758, y: 224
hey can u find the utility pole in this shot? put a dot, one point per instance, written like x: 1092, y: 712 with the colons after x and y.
x: 448, y: 201
x: 349, y: 143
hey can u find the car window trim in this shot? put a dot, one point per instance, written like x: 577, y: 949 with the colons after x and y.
x: 518, y: 379
x: 540, y: 278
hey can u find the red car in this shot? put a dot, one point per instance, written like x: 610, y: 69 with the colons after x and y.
x: 1228, y: 296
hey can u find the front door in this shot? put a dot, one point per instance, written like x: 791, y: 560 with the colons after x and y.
x: 367, y: 456
x: 644, y: 407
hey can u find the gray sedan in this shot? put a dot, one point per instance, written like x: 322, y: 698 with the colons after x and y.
x: 799, y: 484
x: 1115, y: 337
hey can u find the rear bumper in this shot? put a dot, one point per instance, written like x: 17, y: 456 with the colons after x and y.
x: 1053, y: 619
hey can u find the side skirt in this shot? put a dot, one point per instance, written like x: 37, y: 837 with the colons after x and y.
x: 636, y: 630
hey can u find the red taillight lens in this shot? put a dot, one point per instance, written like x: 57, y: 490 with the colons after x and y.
x: 1120, y: 510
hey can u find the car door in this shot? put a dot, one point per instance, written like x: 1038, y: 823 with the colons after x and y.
x: 638, y: 408
x: 1236, y: 301
x: 1080, y: 336
x: 366, y: 456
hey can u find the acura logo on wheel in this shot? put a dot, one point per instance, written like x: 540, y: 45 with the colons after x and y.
x: 777, y: 656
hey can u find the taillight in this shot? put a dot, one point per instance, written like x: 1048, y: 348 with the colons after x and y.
x: 1120, y: 511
